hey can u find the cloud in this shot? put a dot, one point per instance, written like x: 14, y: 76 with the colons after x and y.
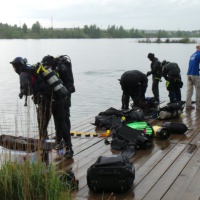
x: 141, y: 14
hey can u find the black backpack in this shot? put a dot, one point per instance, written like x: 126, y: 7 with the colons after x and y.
x: 112, y: 117
x: 131, y: 136
x: 113, y: 173
x: 65, y: 59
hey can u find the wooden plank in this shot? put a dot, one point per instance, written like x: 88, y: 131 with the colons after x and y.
x: 162, y: 164
x: 193, y: 190
x: 165, y: 181
x: 153, y: 176
x: 143, y: 170
x: 86, y: 151
x: 196, y: 140
x: 178, y: 189
x: 82, y: 145
x: 144, y: 162
x: 83, y: 189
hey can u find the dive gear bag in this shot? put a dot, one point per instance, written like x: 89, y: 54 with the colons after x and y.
x: 132, y: 136
x: 113, y: 173
x: 112, y: 117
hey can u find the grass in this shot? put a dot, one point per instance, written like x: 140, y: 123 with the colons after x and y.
x: 27, y: 180
x: 32, y: 182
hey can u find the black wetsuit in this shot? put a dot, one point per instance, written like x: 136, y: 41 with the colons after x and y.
x: 134, y: 84
x: 61, y: 107
x: 171, y: 73
x: 156, y: 71
x: 31, y: 85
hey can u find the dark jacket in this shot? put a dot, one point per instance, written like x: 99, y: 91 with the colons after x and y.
x: 134, y: 80
x: 33, y: 85
x: 25, y: 81
x: 156, y: 68
x: 171, y: 71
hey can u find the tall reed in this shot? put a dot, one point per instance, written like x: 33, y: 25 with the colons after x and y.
x: 32, y: 181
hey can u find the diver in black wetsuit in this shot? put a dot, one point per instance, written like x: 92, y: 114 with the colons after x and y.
x: 60, y: 106
x: 156, y: 71
x: 134, y: 84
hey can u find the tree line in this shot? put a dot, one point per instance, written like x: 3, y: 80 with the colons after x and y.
x: 92, y: 31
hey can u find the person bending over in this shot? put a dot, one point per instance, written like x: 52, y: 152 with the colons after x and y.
x: 171, y: 73
x: 133, y: 84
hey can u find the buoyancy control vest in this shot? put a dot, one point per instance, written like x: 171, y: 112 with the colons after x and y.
x: 64, y: 69
x: 38, y: 87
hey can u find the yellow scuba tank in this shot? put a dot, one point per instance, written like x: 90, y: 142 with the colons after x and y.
x: 161, y: 132
x: 52, y: 79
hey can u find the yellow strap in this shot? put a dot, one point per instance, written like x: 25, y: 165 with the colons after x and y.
x: 167, y: 83
x: 41, y: 68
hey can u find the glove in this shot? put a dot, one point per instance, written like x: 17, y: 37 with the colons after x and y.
x: 148, y: 73
x: 20, y: 95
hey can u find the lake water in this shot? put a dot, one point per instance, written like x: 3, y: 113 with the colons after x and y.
x: 97, y: 65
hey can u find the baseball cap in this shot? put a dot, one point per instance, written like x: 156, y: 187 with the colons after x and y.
x: 198, y: 44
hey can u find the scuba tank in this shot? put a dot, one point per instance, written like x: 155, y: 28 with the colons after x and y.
x: 178, y: 128
x: 52, y: 79
x: 161, y: 132
x: 172, y: 110
x: 169, y: 115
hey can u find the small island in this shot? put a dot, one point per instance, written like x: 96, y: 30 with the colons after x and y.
x: 159, y: 40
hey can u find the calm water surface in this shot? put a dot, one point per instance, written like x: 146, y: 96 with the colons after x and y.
x: 97, y: 65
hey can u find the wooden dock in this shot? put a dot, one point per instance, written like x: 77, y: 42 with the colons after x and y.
x: 168, y: 171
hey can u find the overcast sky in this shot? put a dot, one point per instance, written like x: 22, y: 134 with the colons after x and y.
x: 138, y: 14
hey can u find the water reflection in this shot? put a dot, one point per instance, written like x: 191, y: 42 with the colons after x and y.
x: 97, y: 66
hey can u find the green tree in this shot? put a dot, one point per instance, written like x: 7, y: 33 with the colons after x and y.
x: 112, y: 31
x: 122, y: 33
x: 24, y: 28
x: 36, y: 28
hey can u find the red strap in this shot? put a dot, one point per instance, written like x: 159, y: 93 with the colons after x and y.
x: 32, y: 80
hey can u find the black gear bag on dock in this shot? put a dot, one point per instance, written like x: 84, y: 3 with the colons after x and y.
x: 111, y: 118
x: 113, y: 173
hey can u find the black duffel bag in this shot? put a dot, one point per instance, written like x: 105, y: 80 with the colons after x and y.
x: 113, y: 173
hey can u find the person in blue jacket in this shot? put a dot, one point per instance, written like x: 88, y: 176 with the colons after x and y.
x: 193, y: 79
